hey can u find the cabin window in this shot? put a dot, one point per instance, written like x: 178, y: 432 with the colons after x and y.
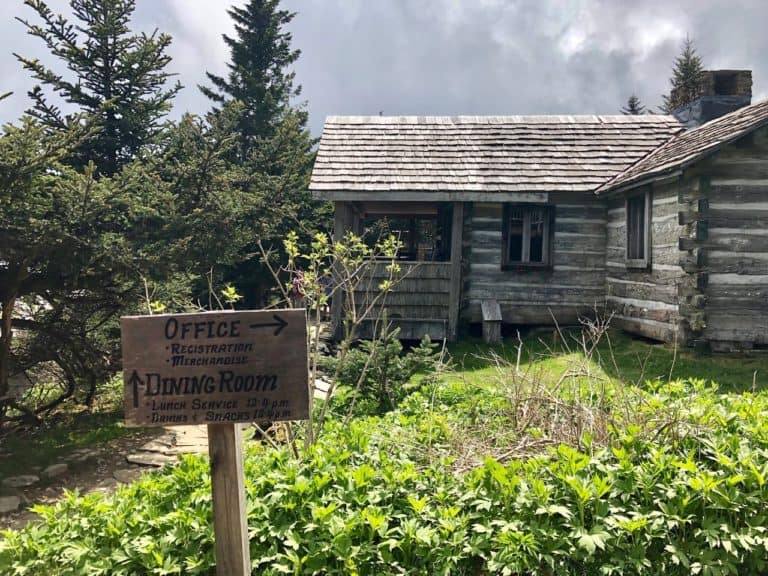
x: 527, y: 236
x: 638, y: 208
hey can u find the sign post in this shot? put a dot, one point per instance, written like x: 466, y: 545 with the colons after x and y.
x: 225, y: 449
x: 220, y: 369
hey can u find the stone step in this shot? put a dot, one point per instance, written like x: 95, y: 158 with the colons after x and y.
x: 55, y: 470
x: 21, y: 481
x: 151, y: 459
x: 9, y: 504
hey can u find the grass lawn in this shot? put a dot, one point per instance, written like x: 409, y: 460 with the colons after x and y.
x: 618, y: 357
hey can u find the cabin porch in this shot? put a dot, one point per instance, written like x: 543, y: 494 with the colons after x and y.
x: 425, y: 297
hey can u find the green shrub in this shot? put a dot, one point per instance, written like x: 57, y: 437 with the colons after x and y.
x: 376, y: 376
x: 384, y: 495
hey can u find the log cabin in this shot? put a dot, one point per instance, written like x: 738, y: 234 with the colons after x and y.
x: 691, y: 222
x: 660, y: 220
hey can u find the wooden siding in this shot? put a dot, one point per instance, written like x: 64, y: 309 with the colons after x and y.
x: 645, y: 301
x: 573, y: 286
x: 736, y: 245
x: 418, y: 304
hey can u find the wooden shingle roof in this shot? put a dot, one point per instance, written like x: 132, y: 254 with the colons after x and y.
x: 487, y: 154
x: 691, y: 146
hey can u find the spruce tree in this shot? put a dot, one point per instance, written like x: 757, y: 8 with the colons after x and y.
x: 275, y: 146
x: 116, y: 76
x: 687, y: 78
x: 634, y: 107
x: 259, y: 75
x: 64, y: 260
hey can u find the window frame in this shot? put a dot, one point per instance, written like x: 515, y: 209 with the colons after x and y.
x: 645, y: 261
x: 547, y: 262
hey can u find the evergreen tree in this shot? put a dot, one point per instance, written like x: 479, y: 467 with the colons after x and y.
x: 634, y: 107
x: 259, y: 76
x: 63, y: 259
x: 117, y: 77
x: 275, y: 146
x: 77, y: 252
x: 687, y: 78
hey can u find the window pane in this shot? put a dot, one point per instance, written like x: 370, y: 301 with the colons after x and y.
x: 515, y: 240
x: 537, y: 236
x: 636, y: 228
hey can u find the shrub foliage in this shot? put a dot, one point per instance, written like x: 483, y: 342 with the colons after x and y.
x: 382, y: 495
x: 375, y: 377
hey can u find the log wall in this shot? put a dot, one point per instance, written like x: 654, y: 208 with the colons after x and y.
x: 734, y: 245
x: 573, y: 287
x: 645, y: 302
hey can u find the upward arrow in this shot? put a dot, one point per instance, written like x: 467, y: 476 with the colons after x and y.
x: 135, y: 381
x: 279, y: 322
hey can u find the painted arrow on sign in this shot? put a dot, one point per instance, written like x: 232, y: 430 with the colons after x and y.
x: 279, y: 323
x: 134, y: 381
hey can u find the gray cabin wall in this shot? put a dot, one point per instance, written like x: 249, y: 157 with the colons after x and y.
x: 646, y: 301
x: 735, y: 245
x: 573, y: 287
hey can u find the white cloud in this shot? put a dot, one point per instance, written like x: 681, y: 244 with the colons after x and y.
x: 656, y: 32
x: 198, y: 34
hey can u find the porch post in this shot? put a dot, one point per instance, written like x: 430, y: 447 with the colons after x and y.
x: 341, y: 225
x: 454, y: 299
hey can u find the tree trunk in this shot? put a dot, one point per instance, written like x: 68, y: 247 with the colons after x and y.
x: 5, y: 344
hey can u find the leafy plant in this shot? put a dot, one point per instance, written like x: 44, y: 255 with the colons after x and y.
x: 378, y: 374
x: 383, y: 495
x: 342, y: 271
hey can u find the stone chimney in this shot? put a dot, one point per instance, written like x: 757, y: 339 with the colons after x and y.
x: 722, y: 91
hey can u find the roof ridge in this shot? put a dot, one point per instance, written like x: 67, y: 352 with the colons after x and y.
x: 508, y: 118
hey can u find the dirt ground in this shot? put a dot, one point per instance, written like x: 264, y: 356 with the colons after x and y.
x: 94, y: 472
x: 102, y: 468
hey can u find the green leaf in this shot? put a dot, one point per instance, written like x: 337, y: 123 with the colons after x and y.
x: 590, y: 541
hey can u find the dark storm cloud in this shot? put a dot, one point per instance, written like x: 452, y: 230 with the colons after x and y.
x: 458, y: 56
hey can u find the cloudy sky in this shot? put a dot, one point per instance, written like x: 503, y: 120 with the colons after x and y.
x: 451, y: 56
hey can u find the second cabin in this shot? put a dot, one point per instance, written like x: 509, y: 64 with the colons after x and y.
x: 543, y: 219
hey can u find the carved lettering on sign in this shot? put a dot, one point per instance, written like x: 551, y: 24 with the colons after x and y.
x: 215, y: 367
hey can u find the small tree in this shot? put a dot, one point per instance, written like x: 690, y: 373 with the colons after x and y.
x: 687, y: 78
x: 634, y: 107
x: 359, y: 276
x: 117, y: 77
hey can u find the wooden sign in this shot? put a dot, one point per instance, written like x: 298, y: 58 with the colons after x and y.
x: 215, y: 367
x: 218, y: 368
